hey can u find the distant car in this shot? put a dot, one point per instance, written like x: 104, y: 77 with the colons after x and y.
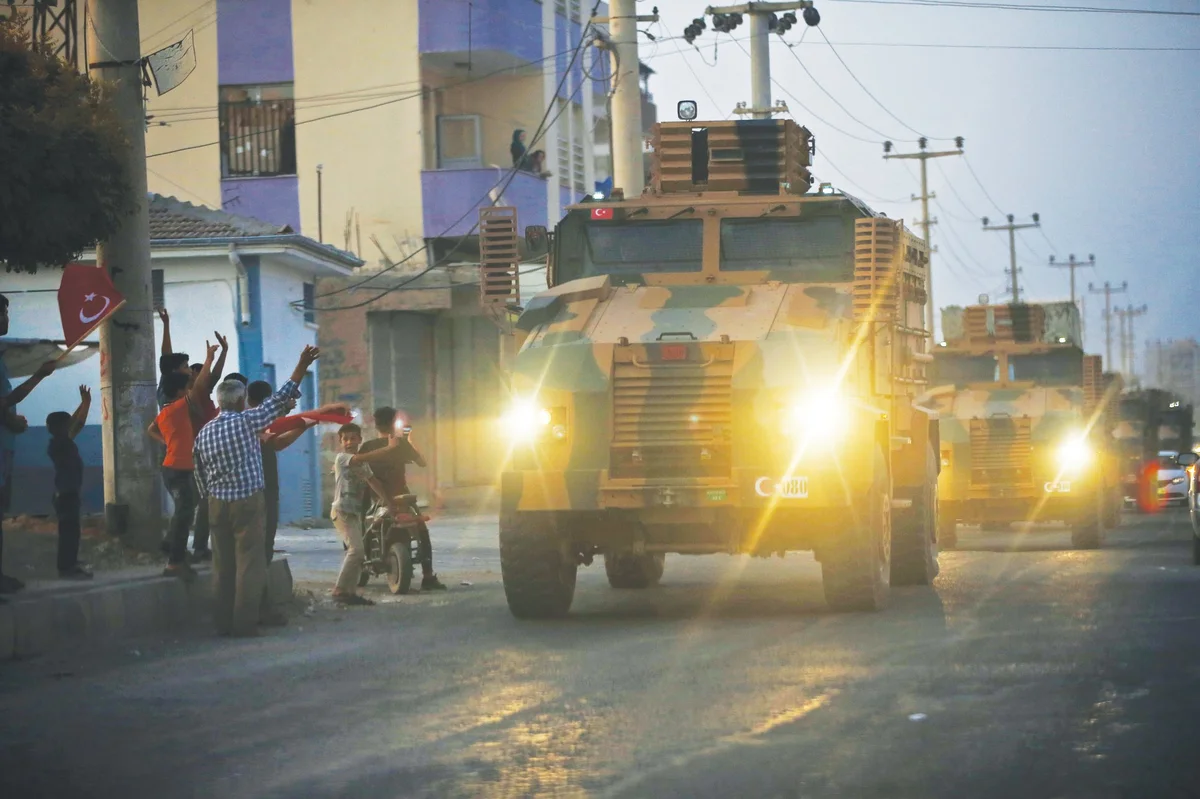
x: 1187, y: 460
x: 1172, y: 486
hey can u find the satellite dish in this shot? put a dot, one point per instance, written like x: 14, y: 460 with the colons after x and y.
x: 983, y: 299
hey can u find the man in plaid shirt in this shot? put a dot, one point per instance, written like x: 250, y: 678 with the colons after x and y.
x: 229, y: 474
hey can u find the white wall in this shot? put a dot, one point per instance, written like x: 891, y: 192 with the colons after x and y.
x: 284, y: 331
x: 199, y: 293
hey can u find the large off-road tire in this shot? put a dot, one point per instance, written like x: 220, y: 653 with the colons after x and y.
x: 1112, y: 509
x: 856, y: 566
x: 539, y: 578
x: 627, y: 570
x: 914, y: 553
x: 1087, y: 532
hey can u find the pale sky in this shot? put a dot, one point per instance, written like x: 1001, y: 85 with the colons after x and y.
x: 1104, y: 145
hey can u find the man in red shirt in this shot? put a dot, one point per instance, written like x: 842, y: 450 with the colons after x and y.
x: 175, y: 427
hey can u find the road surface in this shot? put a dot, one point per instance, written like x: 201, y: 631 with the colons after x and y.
x: 1029, y: 671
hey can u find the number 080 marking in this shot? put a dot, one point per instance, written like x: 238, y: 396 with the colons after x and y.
x: 787, y: 488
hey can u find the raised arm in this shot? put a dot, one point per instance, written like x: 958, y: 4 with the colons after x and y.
x: 219, y: 367
x: 79, y: 418
x: 276, y: 405
x: 202, y: 386
x: 374, y: 455
x: 166, y: 342
x: 282, y: 441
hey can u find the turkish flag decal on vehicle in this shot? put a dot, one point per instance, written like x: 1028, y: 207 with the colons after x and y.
x: 602, y: 213
x: 86, y: 297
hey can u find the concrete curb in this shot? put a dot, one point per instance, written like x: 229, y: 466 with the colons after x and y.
x: 40, y: 622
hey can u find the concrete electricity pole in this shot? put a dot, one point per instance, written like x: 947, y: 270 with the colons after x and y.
x: 1127, y: 316
x: 923, y: 156
x: 1012, y: 247
x: 629, y: 173
x: 127, y: 359
x: 1072, y: 264
x: 1108, y: 291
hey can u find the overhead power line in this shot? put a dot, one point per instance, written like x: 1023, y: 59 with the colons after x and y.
x: 1024, y: 7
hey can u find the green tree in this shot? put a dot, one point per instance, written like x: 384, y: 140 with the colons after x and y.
x: 63, y: 185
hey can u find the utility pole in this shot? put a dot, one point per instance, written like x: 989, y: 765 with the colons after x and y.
x: 1012, y: 229
x: 926, y: 195
x: 1123, y: 341
x: 127, y: 374
x: 1108, y: 291
x: 627, y: 161
x: 1128, y: 316
x: 1072, y: 264
x: 764, y: 19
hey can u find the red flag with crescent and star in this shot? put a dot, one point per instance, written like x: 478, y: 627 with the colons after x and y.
x: 86, y: 297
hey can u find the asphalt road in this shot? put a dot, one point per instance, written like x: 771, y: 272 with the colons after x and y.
x: 1030, y: 671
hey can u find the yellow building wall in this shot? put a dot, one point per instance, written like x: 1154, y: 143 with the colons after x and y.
x: 190, y: 110
x: 371, y: 159
x: 502, y: 103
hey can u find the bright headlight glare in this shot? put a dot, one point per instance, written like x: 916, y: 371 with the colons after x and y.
x: 820, y: 416
x: 526, y: 420
x: 1074, y: 453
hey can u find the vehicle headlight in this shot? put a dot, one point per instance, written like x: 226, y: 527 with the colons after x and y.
x: 1177, y: 480
x: 821, y: 416
x: 1074, y: 453
x: 526, y: 420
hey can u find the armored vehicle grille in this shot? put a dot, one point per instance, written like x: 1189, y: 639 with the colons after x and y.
x: 1001, y: 451
x: 671, y: 421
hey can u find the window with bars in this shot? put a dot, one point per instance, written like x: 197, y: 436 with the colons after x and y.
x: 258, y: 130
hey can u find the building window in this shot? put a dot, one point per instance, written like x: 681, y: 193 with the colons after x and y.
x: 258, y: 131
x: 310, y: 294
x: 459, y: 142
x: 158, y: 292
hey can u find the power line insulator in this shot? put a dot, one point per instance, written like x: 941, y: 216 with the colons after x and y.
x: 772, y: 22
x: 785, y: 23
x: 812, y: 17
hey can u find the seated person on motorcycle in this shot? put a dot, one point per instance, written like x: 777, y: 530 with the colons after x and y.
x: 395, y: 439
x: 352, y: 477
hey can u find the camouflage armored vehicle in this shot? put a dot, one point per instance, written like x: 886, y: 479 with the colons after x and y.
x: 725, y: 364
x: 1026, y: 422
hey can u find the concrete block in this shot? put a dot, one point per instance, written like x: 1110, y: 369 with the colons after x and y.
x: 108, y: 613
x: 279, y: 582
x: 143, y: 606
x: 176, y: 602
x: 8, y: 632
x: 72, y: 616
x: 33, y: 627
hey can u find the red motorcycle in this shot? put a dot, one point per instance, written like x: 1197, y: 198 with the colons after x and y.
x: 393, y: 544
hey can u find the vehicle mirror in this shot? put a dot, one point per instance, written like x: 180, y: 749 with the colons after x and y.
x: 1186, y: 458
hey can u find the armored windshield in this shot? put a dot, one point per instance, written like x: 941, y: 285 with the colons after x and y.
x: 633, y: 247
x: 961, y: 369
x: 1048, y: 369
x: 817, y: 249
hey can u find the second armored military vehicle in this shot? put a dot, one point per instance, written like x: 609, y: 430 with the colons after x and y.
x: 1026, y: 422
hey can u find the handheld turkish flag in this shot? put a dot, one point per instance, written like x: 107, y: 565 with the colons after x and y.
x: 602, y: 213
x: 86, y: 297
x: 286, y: 423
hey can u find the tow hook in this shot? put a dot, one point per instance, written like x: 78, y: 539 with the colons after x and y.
x: 666, y: 496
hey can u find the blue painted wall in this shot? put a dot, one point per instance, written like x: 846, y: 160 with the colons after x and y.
x: 250, y: 337
x: 33, y: 476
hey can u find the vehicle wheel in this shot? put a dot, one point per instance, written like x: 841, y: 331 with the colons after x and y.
x: 400, y: 568
x: 539, y: 580
x: 857, y: 567
x: 626, y: 570
x: 364, y: 577
x: 1088, y: 530
x: 1112, y: 510
x: 914, y: 553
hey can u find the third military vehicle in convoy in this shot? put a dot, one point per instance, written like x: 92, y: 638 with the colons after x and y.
x: 725, y: 364
x: 1026, y: 422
